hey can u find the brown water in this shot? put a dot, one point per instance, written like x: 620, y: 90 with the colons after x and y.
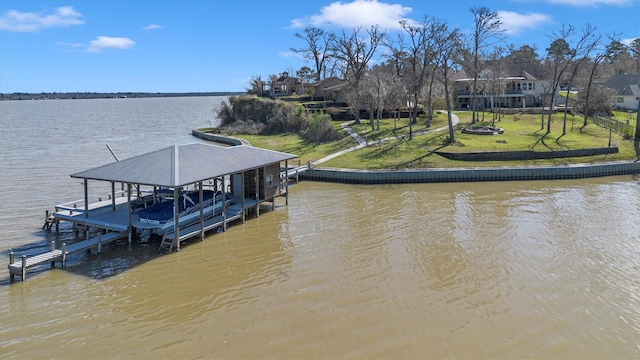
x: 484, y: 270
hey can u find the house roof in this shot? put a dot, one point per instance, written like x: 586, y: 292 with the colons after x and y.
x: 181, y: 165
x: 620, y: 82
x: 633, y: 90
x: 520, y: 70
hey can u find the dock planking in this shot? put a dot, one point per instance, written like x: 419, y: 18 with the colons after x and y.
x: 20, y: 268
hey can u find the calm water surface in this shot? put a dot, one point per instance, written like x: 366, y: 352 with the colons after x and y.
x: 547, y: 269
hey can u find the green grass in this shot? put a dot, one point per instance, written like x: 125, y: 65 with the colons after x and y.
x: 521, y: 132
x: 293, y: 144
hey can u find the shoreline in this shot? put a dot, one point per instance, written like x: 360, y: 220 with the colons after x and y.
x: 458, y: 174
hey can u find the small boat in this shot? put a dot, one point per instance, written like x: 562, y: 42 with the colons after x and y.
x: 159, y: 217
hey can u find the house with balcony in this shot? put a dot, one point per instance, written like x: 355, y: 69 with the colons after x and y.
x: 514, y: 85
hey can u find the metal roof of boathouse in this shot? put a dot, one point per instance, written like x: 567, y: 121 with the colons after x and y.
x: 181, y: 165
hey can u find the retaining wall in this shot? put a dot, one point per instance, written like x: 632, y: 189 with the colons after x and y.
x: 351, y: 176
x: 526, y: 154
x: 228, y: 140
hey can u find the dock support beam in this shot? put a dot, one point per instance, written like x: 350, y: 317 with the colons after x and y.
x: 176, y: 216
x: 129, y: 226
x: 244, y: 209
x: 224, y: 205
x: 257, y: 192
x: 24, y: 267
x: 64, y: 255
x: 201, y: 197
x: 12, y: 259
x: 86, y: 207
x: 286, y: 182
x: 53, y: 248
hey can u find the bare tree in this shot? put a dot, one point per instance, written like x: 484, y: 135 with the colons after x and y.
x: 496, y: 81
x: 396, y: 59
x: 355, y: 52
x: 318, y: 47
x: 419, y: 53
x: 395, y: 90
x: 608, y: 52
x: 448, y: 43
x: 559, y: 55
x: 487, y: 32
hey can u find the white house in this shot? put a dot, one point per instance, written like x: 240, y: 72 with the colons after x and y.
x: 627, y: 87
x: 515, y: 85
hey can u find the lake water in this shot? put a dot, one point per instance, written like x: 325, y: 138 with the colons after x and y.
x: 547, y: 269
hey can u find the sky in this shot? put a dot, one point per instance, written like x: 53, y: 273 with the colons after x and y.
x: 211, y: 46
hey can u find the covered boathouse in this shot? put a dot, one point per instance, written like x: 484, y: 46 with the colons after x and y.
x: 221, y: 184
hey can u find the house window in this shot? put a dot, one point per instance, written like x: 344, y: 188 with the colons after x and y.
x: 530, y: 86
x: 269, y: 180
x: 620, y: 100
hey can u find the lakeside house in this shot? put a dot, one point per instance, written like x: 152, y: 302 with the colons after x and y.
x: 514, y: 85
x: 283, y: 86
x: 627, y: 88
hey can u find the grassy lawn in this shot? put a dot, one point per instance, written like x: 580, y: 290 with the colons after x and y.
x: 521, y: 132
x: 293, y: 144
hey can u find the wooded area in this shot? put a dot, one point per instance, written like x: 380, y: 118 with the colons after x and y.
x: 414, y: 67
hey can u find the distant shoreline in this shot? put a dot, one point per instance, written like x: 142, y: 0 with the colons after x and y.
x: 97, y: 95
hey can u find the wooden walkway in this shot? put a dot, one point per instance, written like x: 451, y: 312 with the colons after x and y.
x: 20, y: 268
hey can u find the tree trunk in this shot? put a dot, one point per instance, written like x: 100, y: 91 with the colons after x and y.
x: 449, y: 119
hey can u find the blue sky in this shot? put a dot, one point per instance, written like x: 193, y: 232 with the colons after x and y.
x: 202, y: 46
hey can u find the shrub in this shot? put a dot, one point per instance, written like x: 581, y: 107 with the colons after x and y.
x: 244, y: 127
x: 225, y: 112
x: 319, y: 129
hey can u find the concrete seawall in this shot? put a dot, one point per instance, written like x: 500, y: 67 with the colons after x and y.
x: 227, y: 140
x: 351, y: 176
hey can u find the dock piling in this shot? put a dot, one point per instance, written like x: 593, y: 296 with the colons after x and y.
x: 12, y: 259
x: 53, y: 248
x: 64, y: 255
x: 24, y: 267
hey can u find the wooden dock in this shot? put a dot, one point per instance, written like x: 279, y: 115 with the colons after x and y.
x: 20, y: 268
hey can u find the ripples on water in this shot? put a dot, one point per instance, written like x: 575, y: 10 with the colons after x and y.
x: 501, y: 270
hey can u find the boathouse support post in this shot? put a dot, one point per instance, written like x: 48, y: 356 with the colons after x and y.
x: 201, y: 195
x: 257, y: 192
x: 286, y: 182
x: 176, y: 216
x: 129, y: 222
x: 113, y: 196
x: 244, y: 209
x: 99, y: 243
x: 224, y: 205
x: 86, y: 207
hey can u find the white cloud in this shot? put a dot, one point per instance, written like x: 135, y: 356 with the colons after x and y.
x: 591, y: 2
x: 513, y: 23
x: 73, y: 45
x: 105, y: 42
x: 290, y: 54
x: 14, y: 20
x: 357, y: 13
x: 153, y: 27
